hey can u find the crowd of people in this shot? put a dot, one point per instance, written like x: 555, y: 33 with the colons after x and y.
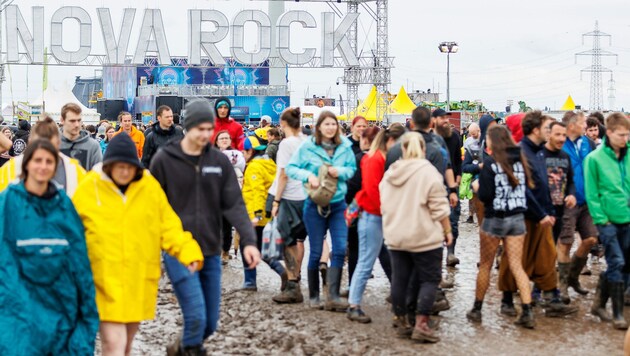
x: 91, y: 213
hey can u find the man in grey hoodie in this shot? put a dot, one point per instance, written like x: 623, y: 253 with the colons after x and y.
x: 76, y: 143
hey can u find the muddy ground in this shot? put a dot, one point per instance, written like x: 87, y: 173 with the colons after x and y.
x: 252, y: 324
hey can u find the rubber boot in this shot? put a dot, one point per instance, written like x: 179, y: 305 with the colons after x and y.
x: 526, y: 319
x: 577, y: 264
x: 313, y: 289
x: 563, y: 281
x: 422, y: 332
x: 334, y: 302
x: 555, y: 308
x: 290, y: 295
x: 616, y: 291
x: 600, y: 299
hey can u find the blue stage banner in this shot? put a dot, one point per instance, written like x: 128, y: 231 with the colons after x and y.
x: 259, y: 106
x: 237, y: 75
x: 120, y: 83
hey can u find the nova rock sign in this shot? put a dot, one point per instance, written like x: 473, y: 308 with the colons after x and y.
x: 153, y: 36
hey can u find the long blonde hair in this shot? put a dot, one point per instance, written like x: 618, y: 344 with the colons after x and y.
x: 413, y: 146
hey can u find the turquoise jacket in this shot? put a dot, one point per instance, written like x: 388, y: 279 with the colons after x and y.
x: 310, y: 156
x: 46, y: 287
x: 607, y: 182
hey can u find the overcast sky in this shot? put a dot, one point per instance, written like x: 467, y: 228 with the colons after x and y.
x: 508, y: 50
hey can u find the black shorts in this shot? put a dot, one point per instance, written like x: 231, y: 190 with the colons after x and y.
x: 290, y: 224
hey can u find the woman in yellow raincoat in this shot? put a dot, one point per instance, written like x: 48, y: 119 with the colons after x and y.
x: 128, y: 221
x: 258, y: 177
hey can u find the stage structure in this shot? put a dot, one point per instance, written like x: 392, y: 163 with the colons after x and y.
x: 25, y: 44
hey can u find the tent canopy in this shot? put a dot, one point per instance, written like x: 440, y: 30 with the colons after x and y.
x: 402, y: 104
x: 55, y: 97
x: 367, y: 108
x: 568, y: 105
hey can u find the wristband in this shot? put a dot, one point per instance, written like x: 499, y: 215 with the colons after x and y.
x: 447, y: 231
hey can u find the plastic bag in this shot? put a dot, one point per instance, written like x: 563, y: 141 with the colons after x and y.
x: 271, y: 242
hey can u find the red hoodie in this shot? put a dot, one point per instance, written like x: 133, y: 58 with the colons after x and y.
x: 513, y: 122
x: 372, y: 172
x: 234, y: 128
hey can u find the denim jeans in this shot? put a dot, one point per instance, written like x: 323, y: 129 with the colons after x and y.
x: 199, y: 296
x: 317, y: 225
x: 455, y: 214
x: 370, y: 243
x: 616, y: 241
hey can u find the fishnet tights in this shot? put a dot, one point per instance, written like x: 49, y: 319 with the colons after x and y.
x: 513, y: 252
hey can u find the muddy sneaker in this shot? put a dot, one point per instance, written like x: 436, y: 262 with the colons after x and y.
x: 356, y: 314
x: 291, y: 295
x: 451, y: 260
x: 526, y: 319
x: 423, y: 333
x: 402, y: 326
x: 508, y: 309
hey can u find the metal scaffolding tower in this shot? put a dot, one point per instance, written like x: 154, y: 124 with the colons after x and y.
x: 596, y: 69
x: 382, y: 72
x: 352, y: 74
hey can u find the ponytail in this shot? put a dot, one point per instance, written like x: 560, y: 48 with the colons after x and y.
x: 413, y: 146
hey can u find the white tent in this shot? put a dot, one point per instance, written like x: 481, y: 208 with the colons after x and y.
x: 55, y: 97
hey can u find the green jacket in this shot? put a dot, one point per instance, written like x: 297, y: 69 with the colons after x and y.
x: 607, y: 183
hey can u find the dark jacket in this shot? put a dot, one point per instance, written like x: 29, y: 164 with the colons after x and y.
x: 203, y: 194
x: 20, y: 141
x: 354, y: 183
x: 539, y: 201
x: 272, y: 149
x: 437, y: 152
x: 156, y: 139
x: 454, y: 145
x: 499, y: 198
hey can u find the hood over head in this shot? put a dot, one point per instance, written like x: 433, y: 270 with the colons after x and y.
x: 402, y: 170
x: 484, y: 123
x: 513, y: 122
x: 223, y: 101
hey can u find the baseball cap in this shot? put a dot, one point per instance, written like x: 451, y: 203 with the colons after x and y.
x: 440, y: 112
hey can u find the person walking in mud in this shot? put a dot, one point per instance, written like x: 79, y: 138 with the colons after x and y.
x: 326, y: 147
x: 607, y: 182
x: 202, y: 188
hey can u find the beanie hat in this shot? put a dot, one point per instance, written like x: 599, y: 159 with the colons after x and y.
x: 24, y: 125
x: 252, y: 143
x: 122, y: 149
x: 101, y: 130
x: 198, y: 111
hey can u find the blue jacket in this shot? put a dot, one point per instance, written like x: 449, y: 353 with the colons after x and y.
x: 309, y: 157
x: 577, y: 156
x: 538, y: 199
x: 46, y: 289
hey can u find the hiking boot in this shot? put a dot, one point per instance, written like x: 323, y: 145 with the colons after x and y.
x: 600, y: 299
x: 616, y: 292
x: 451, y: 260
x: 563, y: 284
x: 313, y: 290
x: 333, y: 301
x: 573, y: 279
x: 422, y: 332
x: 356, y: 314
x: 291, y: 295
x: 555, y: 308
x: 402, y: 326
x: 526, y: 319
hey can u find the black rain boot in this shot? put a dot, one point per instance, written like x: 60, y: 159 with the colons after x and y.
x: 290, y: 295
x: 526, y: 319
x: 563, y: 281
x: 600, y: 299
x: 616, y: 291
x: 577, y: 264
x: 313, y: 289
x: 334, y: 302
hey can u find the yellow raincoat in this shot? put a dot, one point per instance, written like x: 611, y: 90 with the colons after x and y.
x: 125, y: 234
x: 257, y: 179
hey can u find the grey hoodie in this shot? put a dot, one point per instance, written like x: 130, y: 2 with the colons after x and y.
x: 84, y: 149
